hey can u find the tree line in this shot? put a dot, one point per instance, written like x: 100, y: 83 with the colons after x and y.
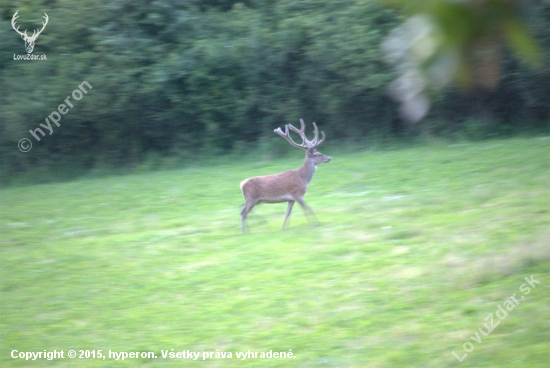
x: 182, y: 78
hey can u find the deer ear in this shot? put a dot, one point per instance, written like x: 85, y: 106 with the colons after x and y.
x: 23, y: 36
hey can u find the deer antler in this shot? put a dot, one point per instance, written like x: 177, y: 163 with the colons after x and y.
x: 306, y: 144
x: 286, y: 135
x: 15, y: 16
x: 35, y: 32
x: 46, y: 18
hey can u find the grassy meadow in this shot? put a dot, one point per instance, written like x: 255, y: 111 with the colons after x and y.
x: 416, y: 247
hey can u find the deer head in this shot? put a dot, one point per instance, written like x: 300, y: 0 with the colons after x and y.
x: 29, y: 40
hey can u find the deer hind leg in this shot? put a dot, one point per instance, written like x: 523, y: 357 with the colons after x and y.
x: 247, y: 208
x: 288, y: 210
x: 308, y: 211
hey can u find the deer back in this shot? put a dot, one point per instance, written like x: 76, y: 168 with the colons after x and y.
x: 275, y: 188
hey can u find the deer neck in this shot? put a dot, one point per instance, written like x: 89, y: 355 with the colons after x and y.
x: 307, y: 170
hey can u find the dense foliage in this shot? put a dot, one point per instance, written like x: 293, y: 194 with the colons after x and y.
x: 182, y: 77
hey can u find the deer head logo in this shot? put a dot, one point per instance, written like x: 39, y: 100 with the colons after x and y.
x: 29, y: 40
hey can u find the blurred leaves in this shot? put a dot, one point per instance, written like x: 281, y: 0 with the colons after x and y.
x: 196, y: 78
x: 455, y: 40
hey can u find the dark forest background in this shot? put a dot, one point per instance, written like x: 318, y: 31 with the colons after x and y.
x: 184, y: 79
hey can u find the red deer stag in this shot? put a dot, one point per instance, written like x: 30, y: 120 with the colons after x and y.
x: 289, y: 186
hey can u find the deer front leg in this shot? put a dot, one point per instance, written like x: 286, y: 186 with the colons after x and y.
x: 308, y: 211
x: 288, y: 210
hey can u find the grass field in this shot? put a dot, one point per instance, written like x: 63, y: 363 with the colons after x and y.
x: 416, y: 247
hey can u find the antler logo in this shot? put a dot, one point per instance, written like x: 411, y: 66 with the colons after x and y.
x: 29, y: 40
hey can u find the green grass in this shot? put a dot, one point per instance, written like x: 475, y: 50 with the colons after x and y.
x: 416, y: 247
